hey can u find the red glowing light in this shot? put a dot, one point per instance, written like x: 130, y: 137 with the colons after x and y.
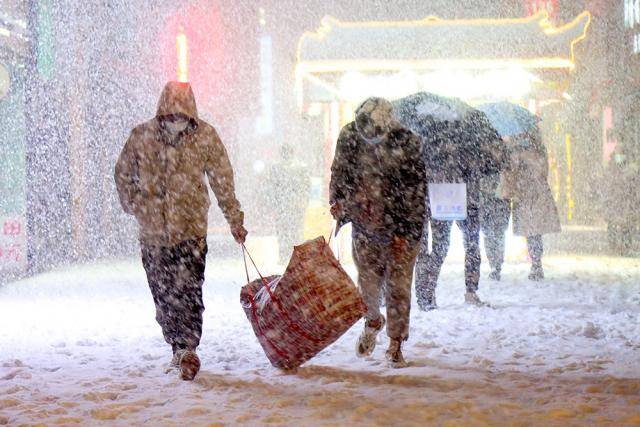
x: 182, y: 50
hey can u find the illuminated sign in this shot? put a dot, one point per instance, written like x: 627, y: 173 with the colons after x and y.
x: 535, y: 6
x: 631, y: 13
x: 632, y: 21
x: 5, y: 81
x: 13, y: 244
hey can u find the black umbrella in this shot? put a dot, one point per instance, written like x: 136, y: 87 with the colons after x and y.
x: 458, y: 140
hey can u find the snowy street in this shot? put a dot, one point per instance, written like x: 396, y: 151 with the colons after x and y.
x: 81, y: 346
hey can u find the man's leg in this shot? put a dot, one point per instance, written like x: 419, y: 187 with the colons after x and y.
x: 368, y: 258
x: 187, y: 305
x: 161, y: 276
x: 535, y: 248
x: 371, y: 265
x: 422, y: 266
x: 426, y: 286
x: 471, y: 237
x: 471, y: 234
x: 398, y: 297
x: 398, y: 291
x: 494, y: 224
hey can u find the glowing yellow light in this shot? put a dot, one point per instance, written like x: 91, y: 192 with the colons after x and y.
x: 182, y: 49
x: 569, y: 183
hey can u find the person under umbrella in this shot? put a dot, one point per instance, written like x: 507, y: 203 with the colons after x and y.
x: 459, y: 146
x: 523, y: 185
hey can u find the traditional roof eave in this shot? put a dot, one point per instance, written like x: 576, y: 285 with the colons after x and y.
x: 322, y: 67
x: 434, y: 43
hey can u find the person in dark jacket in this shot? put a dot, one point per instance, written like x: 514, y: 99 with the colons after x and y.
x: 160, y: 177
x: 462, y: 151
x: 378, y: 184
x: 525, y: 182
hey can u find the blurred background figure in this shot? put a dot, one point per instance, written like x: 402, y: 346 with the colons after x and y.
x: 621, y: 207
x: 494, y: 221
x: 525, y: 183
x: 290, y: 184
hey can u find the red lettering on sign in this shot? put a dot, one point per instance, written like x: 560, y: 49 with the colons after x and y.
x: 14, y: 252
x: 11, y: 228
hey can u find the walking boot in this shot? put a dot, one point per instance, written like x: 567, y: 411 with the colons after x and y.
x: 472, y: 298
x: 394, y: 354
x: 367, y: 340
x: 537, y: 273
x: 427, y: 300
x: 189, y: 364
x: 495, y: 275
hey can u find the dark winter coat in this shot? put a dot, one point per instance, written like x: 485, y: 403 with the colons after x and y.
x: 526, y: 184
x: 161, y: 179
x: 463, y: 151
x: 381, y: 186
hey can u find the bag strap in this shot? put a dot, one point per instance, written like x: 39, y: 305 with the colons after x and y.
x: 333, y: 230
x: 244, y: 258
x: 245, y: 254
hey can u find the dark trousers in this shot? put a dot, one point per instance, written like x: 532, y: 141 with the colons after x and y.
x: 176, y: 275
x: 535, y: 248
x: 386, y: 271
x: 429, y: 264
x: 495, y: 221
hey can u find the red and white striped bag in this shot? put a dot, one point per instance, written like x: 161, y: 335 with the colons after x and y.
x: 298, y: 314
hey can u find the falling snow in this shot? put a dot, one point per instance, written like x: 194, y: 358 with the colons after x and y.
x: 278, y: 80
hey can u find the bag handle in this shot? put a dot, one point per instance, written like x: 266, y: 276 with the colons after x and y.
x: 333, y: 230
x: 246, y: 253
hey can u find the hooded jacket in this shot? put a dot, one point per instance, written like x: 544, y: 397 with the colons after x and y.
x: 380, y: 185
x: 160, y: 176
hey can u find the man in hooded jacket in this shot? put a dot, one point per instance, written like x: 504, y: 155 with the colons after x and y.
x: 378, y: 184
x: 160, y: 177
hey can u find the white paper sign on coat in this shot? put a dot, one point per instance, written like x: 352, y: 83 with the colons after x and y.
x: 448, y: 201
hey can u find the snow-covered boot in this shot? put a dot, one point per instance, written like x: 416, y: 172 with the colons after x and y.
x: 394, y: 354
x: 427, y: 301
x: 473, y: 299
x: 189, y: 364
x: 537, y: 273
x: 495, y: 275
x: 175, y: 360
x: 367, y: 340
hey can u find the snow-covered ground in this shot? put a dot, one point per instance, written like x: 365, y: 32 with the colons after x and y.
x: 81, y: 346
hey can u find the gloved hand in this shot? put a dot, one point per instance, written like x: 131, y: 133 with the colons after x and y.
x: 239, y: 233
